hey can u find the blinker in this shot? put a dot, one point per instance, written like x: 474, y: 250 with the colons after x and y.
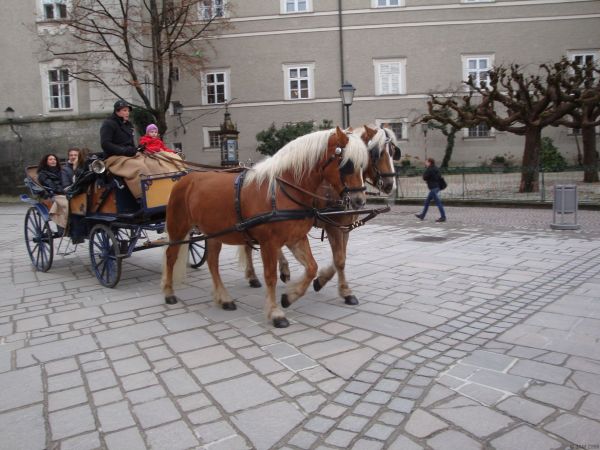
x: 347, y: 168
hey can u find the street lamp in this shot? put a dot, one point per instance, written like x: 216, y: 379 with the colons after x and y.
x: 178, y: 110
x: 425, y: 129
x: 10, y: 116
x: 347, y: 94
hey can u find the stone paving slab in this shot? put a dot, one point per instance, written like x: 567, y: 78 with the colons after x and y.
x: 480, y: 333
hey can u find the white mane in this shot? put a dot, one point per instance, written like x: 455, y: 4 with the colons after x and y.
x: 302, y: 155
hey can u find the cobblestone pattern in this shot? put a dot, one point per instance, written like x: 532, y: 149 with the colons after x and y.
x: 464, y: 338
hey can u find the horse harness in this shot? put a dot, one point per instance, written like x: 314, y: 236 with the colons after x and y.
x: 374, y: 155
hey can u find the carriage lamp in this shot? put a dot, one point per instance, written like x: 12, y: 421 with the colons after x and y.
x: 347, y: 94
x: 229, y: 141
x: 9, y: 112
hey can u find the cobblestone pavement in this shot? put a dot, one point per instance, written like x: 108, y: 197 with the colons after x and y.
x: 478, y: 333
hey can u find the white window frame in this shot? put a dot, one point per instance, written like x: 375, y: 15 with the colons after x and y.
x: 206, y: 138
x: 467, y: 134
x: 226, y: 79
x: 41, y: 8
x: 571, y: 55
x: 387, y: 3
x: 287, y: 90
x: 403, y: 122
x: 378, y: 64
x: 45, y: 69
x: 477, y: 1
x: 283, y: 6
x: 465, y: 65
x: 206, y: 12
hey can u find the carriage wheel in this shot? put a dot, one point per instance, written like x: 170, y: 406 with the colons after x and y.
x: 197, y: 253
x: 38, y: 238
x: 104, y: 255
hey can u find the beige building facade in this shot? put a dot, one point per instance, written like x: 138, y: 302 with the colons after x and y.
x: 284, y: 61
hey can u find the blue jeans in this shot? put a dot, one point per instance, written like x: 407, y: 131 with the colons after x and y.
x: 434, y: 195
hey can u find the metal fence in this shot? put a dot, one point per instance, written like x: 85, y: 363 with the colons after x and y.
x: 485, y: 184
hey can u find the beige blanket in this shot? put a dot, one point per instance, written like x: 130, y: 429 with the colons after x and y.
x: 59, y: 212
x: 131, y: 168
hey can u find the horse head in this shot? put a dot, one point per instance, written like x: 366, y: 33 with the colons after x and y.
x: 383, y: 150
x: 348, y: 152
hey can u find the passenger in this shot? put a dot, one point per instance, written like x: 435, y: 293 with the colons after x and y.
x: 122, y: 156
x: 152, y: 143
x: 74, y: 166
x: 49, y: 176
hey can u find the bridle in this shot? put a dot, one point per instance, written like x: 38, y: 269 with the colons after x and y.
x: 344, y: 170
x: 375, y: 155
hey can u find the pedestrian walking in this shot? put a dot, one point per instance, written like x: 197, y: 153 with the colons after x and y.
x: 434, y: 180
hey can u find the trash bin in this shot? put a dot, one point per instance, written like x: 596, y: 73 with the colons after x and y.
x: 564, y: 208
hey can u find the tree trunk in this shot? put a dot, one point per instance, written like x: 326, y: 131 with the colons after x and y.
x: 450, y: 138
x: 531, y: 160
x: 590, y: 155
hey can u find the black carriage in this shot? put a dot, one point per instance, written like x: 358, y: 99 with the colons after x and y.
x: 102, y: 211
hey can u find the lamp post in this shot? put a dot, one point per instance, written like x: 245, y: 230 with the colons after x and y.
x: 178, y: 110
x: 229, y: 141
x: 347, y: 95
x: 10, y: 116
x: 425, y: 129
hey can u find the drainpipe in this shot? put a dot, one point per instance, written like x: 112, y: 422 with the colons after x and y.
x: 341, y: 33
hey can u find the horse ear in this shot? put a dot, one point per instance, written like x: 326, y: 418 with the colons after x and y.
x: 370, y: 132
x: 341, y: 137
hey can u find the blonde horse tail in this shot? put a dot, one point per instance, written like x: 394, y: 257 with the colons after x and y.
x: 180, y: 265
x: 242, y: 257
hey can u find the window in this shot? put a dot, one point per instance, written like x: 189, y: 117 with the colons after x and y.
x: 209, y: 9
x: 295, y: 6
x: 299, y: 81
x: 582, y: 57
x: 59, y: 89
x: 212, y: 138
x: 478, y: 131
x: 54, y: 9
x: 386, y: 3
x: 390, y: 77
x: 216, y: 87
x: 477, y: 67
x: 398, y: 126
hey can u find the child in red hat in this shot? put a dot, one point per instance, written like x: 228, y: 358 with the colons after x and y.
x: 151, y: 141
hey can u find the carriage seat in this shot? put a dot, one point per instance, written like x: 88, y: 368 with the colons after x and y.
x: 31, y: 181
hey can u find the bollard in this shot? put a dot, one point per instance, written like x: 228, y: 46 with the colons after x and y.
x: 565, y: 202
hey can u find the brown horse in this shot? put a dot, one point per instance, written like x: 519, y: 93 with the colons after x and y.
x: 272, y: 207
x: 383, y: 149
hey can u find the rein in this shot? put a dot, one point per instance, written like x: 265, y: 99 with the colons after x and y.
x: 190, y: 165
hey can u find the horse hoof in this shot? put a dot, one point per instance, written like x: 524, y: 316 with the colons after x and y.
x: 316, y: 285
x: 280, y: 322
x: 350, y: 300
x: 255, y: 283
x: 285, y: 302
x: 229, y: 306
x: 283, y: 277
x: 170, y: 300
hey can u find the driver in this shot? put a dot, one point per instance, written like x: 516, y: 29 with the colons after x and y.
x: 116, y: 132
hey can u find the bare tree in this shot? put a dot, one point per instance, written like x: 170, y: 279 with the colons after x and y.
x: 137, y: 43
x: 587, y: 116
x: 449, y: 116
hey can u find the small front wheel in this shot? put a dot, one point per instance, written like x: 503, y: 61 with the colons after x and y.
x: 104, y: 255
x: 38, y: 239
x: 197, y: 251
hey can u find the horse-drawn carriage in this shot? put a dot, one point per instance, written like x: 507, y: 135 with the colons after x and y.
x: 103, y: 211
x: 273, y: 205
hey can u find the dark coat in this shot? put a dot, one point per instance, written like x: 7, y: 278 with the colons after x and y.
x: 51, y: 180
x: 432, y: 177
x: 116, y: 137
x: 67, y: 174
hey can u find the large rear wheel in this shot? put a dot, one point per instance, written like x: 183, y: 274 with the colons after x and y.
x: 38, y: 239
x: 104, y: 255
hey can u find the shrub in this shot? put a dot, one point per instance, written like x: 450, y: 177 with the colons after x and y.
x: 272, y: 139
x: 550, y: 158
x: 498, y: 159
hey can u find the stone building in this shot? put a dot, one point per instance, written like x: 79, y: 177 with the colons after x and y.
x: 285, y: 61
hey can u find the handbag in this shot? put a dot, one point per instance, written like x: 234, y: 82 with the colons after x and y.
x: 442, y: 183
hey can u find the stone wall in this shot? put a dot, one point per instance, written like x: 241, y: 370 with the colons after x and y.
x: 38, y: 137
